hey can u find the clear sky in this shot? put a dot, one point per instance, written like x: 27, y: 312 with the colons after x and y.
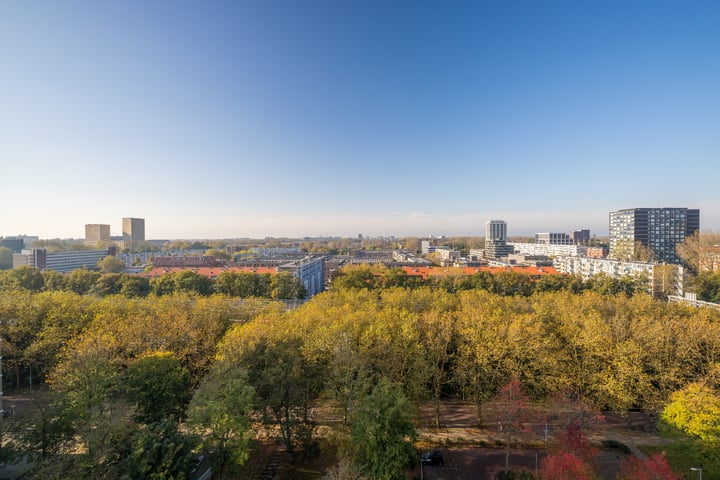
x: 263, y: 118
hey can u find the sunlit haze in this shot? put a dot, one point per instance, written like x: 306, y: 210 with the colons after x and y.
x: 325, y: 117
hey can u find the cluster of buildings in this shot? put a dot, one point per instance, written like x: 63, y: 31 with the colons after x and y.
x: 642, y: 242
x: 634, y: 233
x: 96, y: 235
x: 133, y: 234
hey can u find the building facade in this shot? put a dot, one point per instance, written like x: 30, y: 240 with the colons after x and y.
x: 658, y: 230
x: 96, y: 233
x: 133, y: 232
x: 63, y: 262
x: 550, y: 250
x: 581, y: 237
x: 549, y: 238
x: 496, y: 240
x: 310, y: 271
x: 662, y: 279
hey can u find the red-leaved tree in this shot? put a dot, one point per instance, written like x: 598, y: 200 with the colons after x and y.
x: 565, y: 466
x: 654, y: 468
x: 573, y: 440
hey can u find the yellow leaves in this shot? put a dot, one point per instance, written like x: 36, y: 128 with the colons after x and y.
x: 695, y: 410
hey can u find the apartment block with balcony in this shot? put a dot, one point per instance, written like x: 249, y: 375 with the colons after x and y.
x: 657, y: 229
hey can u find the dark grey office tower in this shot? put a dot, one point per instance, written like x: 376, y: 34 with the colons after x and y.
x: 657, y: 229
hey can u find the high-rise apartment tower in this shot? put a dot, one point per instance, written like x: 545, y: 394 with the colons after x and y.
x: 657, y: 229
x: 496, y: 239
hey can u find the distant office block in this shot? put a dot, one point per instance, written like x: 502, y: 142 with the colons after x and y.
x: 14, y: 244
x: 96, y: 233
x: 553, y: 238
x: 133, y: 232
x: 581, y: 237
x: 657, y: 229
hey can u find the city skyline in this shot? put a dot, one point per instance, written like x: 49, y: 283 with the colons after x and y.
x: 323, y: 118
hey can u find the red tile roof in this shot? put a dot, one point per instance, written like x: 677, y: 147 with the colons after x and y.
x: 206, y: 271
x: 426, y: 272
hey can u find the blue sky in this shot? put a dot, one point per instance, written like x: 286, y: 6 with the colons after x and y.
x: 338, y: 117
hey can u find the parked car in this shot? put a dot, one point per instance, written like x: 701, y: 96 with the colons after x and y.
x: 432, y: 458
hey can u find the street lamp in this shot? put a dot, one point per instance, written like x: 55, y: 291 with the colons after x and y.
x: 697, y: 469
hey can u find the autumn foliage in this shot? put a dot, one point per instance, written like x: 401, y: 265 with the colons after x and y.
x: 654, y: 468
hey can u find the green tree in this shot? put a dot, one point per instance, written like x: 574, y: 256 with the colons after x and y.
x: 191, y: 282
x: 220, y: 412
x: 108, y: 284
x: 707, y: 286
x: 356, y: 279
x: 383, y: 432
x: 134, y: 286
x: 111, y: 264
x: 82, y: 281
x: 218, y: 254
x: 285, y: 286
x: 159, y: 386
x: 22, y: 278
x: 159, y: 451
x: 286, y: 384
x: 50, y: 425
x: 163, y: 285
x: 54, y: 281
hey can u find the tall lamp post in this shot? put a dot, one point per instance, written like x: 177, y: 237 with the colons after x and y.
x: 697, y: 469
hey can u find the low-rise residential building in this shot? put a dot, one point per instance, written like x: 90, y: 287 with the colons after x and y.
x: 549, y: 250
x: 662, y: 278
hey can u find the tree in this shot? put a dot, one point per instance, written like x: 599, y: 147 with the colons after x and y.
x: 82, y: 281
x: 695, y: 411
x: 643, y: 253
x: 22, y: 278
x: 108, y: 284
x: 159, y: 451
x: 218, y: 253
x: 565, y: 466
x: 286, y: 384
x: 191, y: 282
x: 383, y: 432
x: 355, y: 279
x: 654, y: 468
x: 220, y: 412
x: 111, y: 264
x: 436, y: 336
x: 693, y: 250
x: 513, y: 284
x: 517, y: 414
x: 707, y: 286
x: 285, y: 286
x: 134, y: 286
x: 54, y: 281
x: 50, y: 425
x: 159, y: 386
